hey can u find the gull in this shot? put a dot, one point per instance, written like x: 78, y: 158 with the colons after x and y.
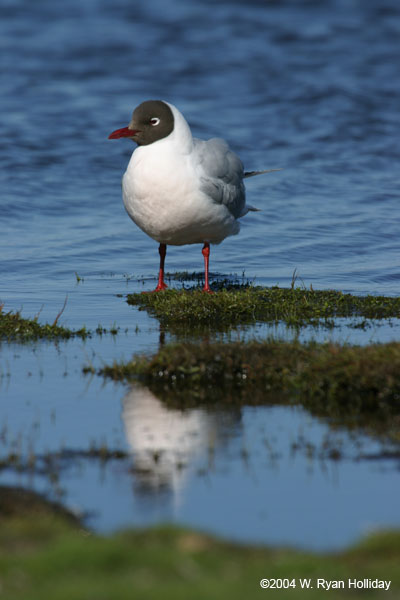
x: 179, y: 189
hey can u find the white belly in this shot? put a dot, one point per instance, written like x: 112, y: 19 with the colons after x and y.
x: 164, y: 199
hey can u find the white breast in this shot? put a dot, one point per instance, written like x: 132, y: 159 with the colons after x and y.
x: 162, y: 195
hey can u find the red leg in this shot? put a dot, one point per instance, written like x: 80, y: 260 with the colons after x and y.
x: 206, y: 253
x: 162, y: 250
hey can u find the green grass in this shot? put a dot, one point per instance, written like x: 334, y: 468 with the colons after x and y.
x: 247, y: 304
x: 47, y: 555
x: 354, y: 385
x: 14, y: 328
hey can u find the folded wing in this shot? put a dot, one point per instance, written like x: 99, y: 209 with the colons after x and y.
x: 221, y: 174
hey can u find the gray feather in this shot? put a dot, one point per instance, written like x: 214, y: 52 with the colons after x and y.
x: 221, y: 174
x: 254, y: 173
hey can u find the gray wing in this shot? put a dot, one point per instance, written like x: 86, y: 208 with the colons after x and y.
x: 221, y: 174
x: 253, y: 173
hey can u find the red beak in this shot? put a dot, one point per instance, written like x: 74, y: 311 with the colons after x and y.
x: 124, y: 132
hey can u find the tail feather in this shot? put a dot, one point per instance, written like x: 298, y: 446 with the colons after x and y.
x: 253, y: 173
x: 248, y: 208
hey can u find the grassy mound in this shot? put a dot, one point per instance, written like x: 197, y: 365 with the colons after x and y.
x: 44, y: 555
x: 247, y: 304
x: 13, y: 327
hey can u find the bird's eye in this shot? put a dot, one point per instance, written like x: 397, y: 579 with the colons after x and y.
x: 154, y: 121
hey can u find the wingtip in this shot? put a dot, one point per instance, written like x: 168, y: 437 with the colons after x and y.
x: 254, y: 173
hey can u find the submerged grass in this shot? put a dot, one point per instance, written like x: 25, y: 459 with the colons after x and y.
x: 359, y: 384
x: 45, y: 554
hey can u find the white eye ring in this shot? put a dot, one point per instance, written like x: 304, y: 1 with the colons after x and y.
x: 154, y: 121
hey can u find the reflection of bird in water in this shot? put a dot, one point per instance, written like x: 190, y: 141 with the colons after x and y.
x: 163, y: 440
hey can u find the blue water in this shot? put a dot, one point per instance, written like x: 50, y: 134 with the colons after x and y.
x: 307, y: 86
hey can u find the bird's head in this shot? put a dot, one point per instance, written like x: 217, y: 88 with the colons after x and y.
x: 151, y: 121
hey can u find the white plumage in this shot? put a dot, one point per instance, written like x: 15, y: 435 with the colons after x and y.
x: 179, y: 189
